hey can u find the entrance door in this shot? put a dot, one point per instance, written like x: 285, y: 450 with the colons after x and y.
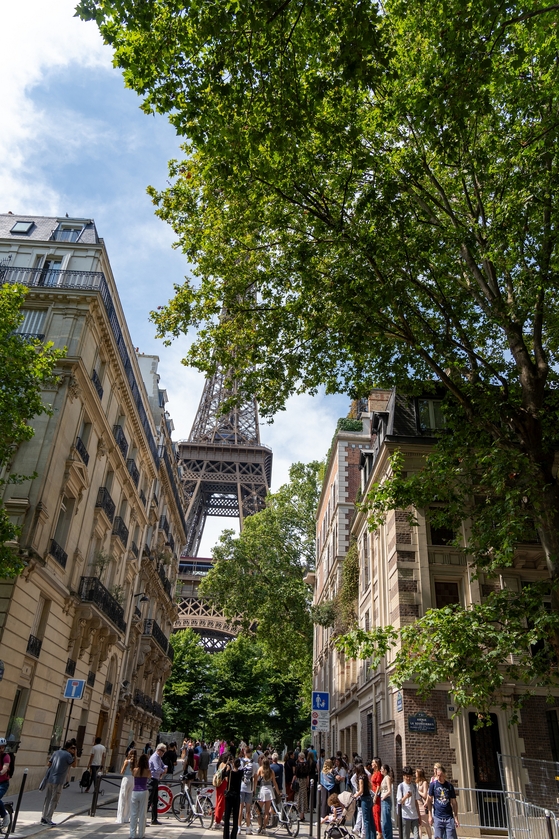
x: 102, y: 724
x: 486, y: 746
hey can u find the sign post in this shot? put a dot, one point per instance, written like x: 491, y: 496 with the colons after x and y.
x: 74, y: 690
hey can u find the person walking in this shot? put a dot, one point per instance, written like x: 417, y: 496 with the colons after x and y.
x: 126, y: 788
x: 96, y: 761
x: 233, y: 779
x: 268, y: 790
x: 363, y: 796
x: 442, y: 806
x: 5, y: 775
x: 289, y: 767
x: 203, y: 763
x: 328, y: 784
x: 277, y: 769
x: 386, y: 802
x: 139, y: 800
x: 423, y: 788
x: 376, y: 781
x: 301, y: 777
x: 409, y: 799
x: 59, y: 762
x: 157, y: 769
x: 170, y: 758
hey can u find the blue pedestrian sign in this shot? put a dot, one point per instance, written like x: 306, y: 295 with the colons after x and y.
x: 74, y: 689
x: 320, y: 700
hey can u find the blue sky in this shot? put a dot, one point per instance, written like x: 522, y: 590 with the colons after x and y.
x: 73, y: 140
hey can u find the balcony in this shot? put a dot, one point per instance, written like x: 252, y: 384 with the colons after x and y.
x: 58, y: 553
x: 81, y: 450
x: 120, y: 530
x: 164, y: 525
x: 152, y: 628
x: 106, y: 503
x: 155, y: 500
x: 121, y: 440
x: 135, y: 550
x: 174, y: 489
x: 171, y: 542
x: 34, y: 646
x: 147, y: 552
x: 143, y: 701
x: 91, y: 678
x: 157, y: 710
x: 97, y: 384
x: 143, y: 497
x: 91, y: 590
x: 52, y: 278
x: 133, y: 471
x: 70, y: 667
x: 31, y: 336
x: 164, y: 579
x: 108, y: 688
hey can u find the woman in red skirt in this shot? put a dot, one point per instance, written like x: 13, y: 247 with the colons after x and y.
x: 220, y: 792
x: 376, y: 781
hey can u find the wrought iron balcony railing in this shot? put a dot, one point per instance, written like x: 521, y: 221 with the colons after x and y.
x: 133, y: 471
x: 171, y: 542
x: 171, y: 652
x: 155, y: 500
x: 108, y: 688
x: 81, y: 450
x: 34, y: 646
x: 164, y: 579
x: 135, y: 550
x: 143, y: 497
x: 178, y: 501
x: 147, y: 552
x: 31, y: 336
x: 120, y: 530
x: 91, y: 678
x: 93, y: 591
x: 58, y: 553
x: 157, y: 710
x: 70, y: 667
x: 121, y: 440
x: 152, y: 628
x: 164, y: 525
x: 97, y: 383
x: 106, y: 503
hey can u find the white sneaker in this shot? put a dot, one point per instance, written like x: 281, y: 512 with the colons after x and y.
x: 249, y: 829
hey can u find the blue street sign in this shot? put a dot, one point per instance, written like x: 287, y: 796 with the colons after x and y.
x: 320, y: 700
x: 74, y: 689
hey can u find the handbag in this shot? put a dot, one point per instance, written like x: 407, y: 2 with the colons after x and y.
x: 295, y: 785
x: 45, y: 779
x: 228, y: 793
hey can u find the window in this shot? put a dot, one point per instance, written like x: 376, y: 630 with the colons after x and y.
x: 64, y: 521
x: 441, y: 535
x: 33, y: 323
x: 58, y: 727
x: 446, y: 593
x: 553, y: 729
x: 68, y: 233
x: 429, y: 414
x: 17, y: 716
x: 22, y: 227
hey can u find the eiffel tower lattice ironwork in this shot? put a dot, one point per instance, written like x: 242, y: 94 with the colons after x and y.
x: 226, y: 471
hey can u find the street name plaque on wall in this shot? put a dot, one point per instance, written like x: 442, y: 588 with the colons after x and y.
x: 422, y: 723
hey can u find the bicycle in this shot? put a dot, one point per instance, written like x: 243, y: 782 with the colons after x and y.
x: 186, y: 810
x: 285, y: 815
x: 9, y: 805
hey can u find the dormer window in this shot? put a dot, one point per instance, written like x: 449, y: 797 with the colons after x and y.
x: 22, y: 227
x: 67, y: 232
x: 429, y: 414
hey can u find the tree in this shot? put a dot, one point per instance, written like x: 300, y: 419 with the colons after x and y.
x: 369, y: 196
x: 257, y: 577
x: 25, y: 366
x: 188, y: 688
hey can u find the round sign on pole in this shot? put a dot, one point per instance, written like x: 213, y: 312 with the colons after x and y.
x: 164, y: 799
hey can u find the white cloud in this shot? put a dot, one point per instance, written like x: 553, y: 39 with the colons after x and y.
x: 37, y: 38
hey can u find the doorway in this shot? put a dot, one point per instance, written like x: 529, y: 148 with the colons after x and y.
x: 102, y: 725
x: 486, y: 747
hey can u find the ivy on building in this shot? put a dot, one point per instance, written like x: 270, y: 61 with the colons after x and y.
x: 340, y: 613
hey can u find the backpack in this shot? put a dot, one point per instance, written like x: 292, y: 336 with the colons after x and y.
x: 248, y: 770
x: 217, y: 779
x: 12, y: 765
x: 85, y: 780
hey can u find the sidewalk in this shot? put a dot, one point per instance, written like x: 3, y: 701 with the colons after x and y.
x: 72, y: 803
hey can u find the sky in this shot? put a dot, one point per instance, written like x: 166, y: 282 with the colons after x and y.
x: 73, y: 140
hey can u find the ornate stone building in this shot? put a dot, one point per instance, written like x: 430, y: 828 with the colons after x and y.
x: 102, y: 524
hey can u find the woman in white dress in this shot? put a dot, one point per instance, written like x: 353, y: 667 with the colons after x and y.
x: 126, y: 787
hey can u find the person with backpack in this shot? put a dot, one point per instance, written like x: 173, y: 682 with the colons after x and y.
x: 7, y: 762
x: 220, y: 784
x: 248, y: 785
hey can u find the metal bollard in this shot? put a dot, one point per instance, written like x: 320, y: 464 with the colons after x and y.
x: 18, y: 802
x: 93, y: 807
x: 400, y: 825
x: 311, y: 806
x: 318, y: 810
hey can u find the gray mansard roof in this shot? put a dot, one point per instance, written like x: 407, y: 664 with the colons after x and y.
x: 44, y: 227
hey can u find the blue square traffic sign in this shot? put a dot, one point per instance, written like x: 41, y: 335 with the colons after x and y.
x: 74, y: 689
x: 320, y: 700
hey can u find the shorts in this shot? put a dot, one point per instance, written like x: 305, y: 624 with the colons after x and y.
x: 444, y: 828
x: 266, y: 794
x: 246, y: 798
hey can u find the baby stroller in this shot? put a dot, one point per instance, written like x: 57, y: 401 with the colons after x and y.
x: 337, y: 829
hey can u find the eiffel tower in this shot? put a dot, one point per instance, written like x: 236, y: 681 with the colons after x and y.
x: 226, y: 471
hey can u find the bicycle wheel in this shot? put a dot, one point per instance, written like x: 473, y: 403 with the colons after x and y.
x: 292, y: 819
x: 182, y: 809
x: 256, y: 814
x: 205, y: 804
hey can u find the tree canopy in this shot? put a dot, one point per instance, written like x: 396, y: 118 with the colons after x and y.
x: 368, y: 195
x: 25, y: 366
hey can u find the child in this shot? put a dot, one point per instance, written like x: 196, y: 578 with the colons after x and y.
x: 336, y: 809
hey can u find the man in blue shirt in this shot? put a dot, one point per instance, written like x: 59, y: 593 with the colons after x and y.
x: 58, y: 769
x: 442, y: 806
x: 157, y: 769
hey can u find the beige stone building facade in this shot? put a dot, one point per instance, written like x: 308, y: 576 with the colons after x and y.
x: 102, y: 522
x: 404, y: 571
